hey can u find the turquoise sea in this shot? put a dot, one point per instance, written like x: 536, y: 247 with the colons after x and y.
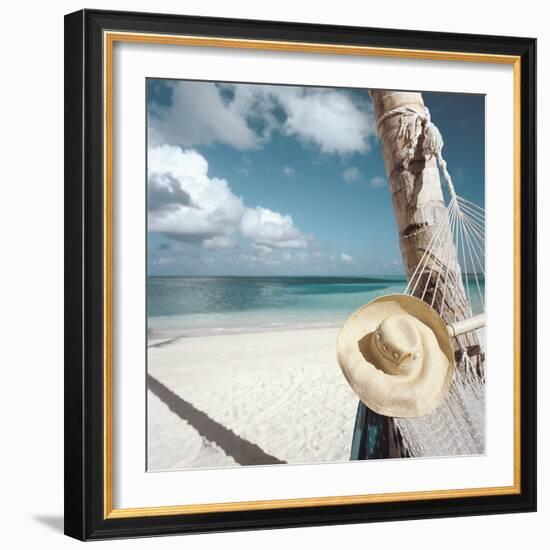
x: 179, y: 306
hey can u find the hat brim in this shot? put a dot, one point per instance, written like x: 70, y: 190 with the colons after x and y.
x: 391, y: 395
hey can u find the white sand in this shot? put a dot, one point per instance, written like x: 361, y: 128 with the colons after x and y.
x: 282, y: 392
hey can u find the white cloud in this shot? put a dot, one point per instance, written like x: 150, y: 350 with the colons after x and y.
x: 347, y: 258
x: 205, y: 210
x: 219, y: 242
x: 263, y: 226
x: 243, y: 116
x: 199, y: 116
x: 262, y: 249
x: 258, y: 260
x: 164, y: 260
x: 288, y: 171
x: 165, y: 193
x: 215, y: 211
x: 377, y: 181
x: 327, y: 118
x: 351, y: 174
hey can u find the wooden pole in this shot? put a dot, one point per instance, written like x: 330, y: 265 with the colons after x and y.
x: 467, y: 325
x: 418, y: 206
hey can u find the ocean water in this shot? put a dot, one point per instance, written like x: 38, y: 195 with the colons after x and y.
x: 179, y: 306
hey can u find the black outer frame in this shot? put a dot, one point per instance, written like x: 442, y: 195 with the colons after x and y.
x: 84, y: 517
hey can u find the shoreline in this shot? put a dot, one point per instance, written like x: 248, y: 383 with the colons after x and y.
x: 153, y: 341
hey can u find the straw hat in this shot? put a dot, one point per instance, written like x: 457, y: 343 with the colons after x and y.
x: 397, y: 355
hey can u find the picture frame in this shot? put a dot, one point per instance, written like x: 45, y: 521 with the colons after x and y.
x: 90, y: 163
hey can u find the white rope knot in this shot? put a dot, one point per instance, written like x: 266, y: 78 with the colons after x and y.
x: 412, y: 125
x: 433, y: 141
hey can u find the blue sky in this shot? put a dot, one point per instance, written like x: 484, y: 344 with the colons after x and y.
x: 248, y: 179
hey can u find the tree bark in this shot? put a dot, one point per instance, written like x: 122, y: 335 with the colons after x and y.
x: 419, y: 207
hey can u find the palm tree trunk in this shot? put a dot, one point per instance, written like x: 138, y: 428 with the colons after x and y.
x: 418, y: 204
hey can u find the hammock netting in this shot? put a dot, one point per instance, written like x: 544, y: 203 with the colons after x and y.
x: 450, y: 276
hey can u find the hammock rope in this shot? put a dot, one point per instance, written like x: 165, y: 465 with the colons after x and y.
x: 458, y: 231
x: 461, y: 229
x: 456, y: 253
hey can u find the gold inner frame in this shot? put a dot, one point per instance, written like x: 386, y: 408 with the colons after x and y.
x: 109, y: 39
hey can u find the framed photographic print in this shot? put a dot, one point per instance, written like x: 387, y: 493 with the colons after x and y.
x: 300, y: 274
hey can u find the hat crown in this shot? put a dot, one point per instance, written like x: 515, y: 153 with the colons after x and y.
x: 398, y: 340
x: 417, y: 381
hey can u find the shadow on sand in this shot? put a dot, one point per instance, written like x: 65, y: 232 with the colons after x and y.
x: 242, y: 451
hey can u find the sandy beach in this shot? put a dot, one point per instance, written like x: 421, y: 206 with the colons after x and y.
x: 245, y: 399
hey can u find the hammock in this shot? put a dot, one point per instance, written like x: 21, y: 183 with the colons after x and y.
x: 451, y: 267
